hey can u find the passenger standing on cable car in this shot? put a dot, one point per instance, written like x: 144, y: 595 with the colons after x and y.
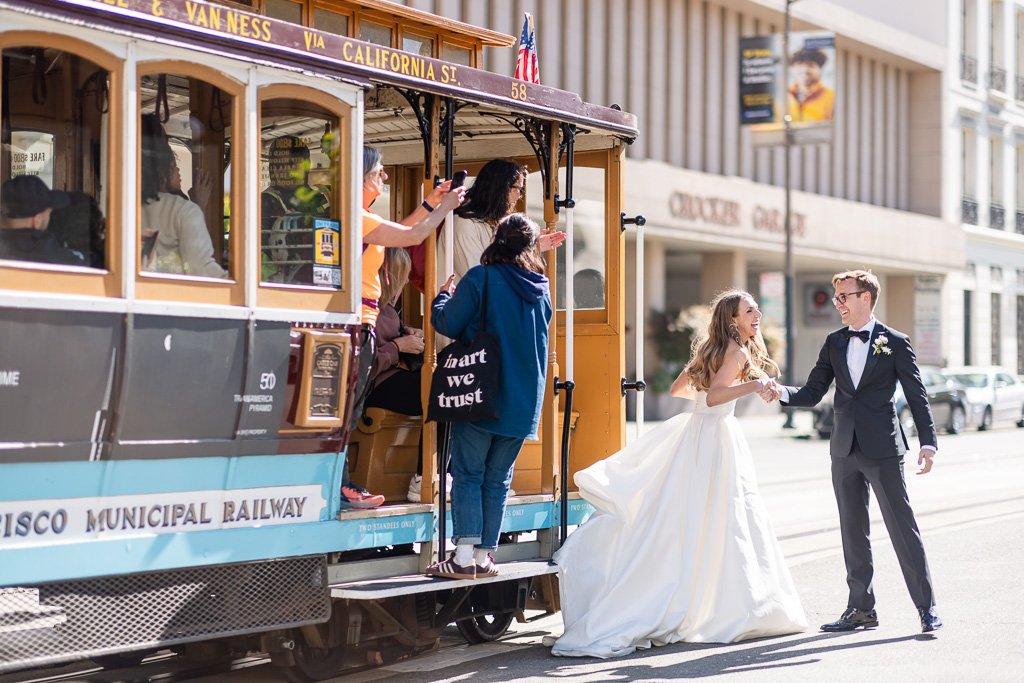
x: 379, y: 233
x: 495, y: 192
x: 483, y: 453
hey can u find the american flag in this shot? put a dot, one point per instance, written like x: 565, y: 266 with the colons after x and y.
x: 527, y: 68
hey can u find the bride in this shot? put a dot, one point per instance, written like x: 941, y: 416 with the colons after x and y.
x: 681, y: 548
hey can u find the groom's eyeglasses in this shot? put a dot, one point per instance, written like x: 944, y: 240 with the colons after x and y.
x: 841, y: 298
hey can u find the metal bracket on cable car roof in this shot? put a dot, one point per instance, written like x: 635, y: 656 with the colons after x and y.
x: 446, y: 128
x: 422, y: 104
x: 538, y: 135
x: 568, y: 143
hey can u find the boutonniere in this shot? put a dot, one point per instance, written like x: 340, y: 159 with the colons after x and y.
x: 879, y: 345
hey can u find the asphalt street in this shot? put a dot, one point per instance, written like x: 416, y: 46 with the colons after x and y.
x: 971, y: 512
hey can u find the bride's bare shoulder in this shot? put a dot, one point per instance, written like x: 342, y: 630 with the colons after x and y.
x: 736, y: 353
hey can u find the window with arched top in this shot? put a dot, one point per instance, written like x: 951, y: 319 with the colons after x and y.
x: 190, y: 242
x: 59, y: 172
x: 304, y: 237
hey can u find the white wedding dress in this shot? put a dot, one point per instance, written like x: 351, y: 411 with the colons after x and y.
x: 680, y: 548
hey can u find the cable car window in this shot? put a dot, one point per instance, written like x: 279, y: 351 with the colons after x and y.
x: 300, y: 241
x: 456, y: 55
x: 424, y: 47
x: 588, y: 238
x: 185, y: 135
x: 286, y: 10
x: 375, y: 33
x: 332, y: 22
x: 53, y: 158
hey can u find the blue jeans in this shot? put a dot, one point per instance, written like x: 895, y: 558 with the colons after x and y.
x: 482, y: 464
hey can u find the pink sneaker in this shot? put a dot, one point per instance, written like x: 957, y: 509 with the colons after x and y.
x: 358, y: 498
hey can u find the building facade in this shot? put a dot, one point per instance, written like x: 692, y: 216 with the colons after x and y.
x: 876, y: 196
x: 984, y: 180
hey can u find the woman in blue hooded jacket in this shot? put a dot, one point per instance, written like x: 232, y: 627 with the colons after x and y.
x: 483, y: 453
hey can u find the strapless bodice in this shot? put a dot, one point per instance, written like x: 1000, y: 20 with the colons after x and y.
x: 702, y: 407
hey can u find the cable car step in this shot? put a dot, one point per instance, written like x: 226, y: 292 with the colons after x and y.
x: 378, y: 589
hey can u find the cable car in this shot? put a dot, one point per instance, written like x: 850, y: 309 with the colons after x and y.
x: 179, y: 325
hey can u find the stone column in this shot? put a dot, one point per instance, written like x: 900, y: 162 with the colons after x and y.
x: 722, y: 270
x: 654, y: 297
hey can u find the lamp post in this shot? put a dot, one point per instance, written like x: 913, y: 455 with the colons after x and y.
x: 790, y: 376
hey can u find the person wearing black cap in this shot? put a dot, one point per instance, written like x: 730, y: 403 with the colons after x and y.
x: 25, y: 207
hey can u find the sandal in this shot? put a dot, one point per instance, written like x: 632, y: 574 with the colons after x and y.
x: 450, y: 569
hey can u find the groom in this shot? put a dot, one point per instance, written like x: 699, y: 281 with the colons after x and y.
x: 866, y: 359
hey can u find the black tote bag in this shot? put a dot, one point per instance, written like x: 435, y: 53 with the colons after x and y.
x: 465, y: 384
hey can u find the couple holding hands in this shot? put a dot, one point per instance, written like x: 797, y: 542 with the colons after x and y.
x: 685, y: 495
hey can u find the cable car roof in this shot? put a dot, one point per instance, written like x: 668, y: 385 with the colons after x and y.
x: 225, y: 30
x: 485, y: 36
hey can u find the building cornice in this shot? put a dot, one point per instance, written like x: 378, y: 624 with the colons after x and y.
x: 990, y: 236
x: 871, y: 35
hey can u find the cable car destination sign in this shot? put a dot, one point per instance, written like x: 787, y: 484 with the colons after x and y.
x: 368, y: 59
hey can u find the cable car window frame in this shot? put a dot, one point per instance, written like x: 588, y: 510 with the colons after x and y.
x: 417, y: 32
x: 449, y: 41
x: 303, y: 297
x: 80, y: 280
x: 610, y: 316
x: 320, y: 5
x: 229, y: 291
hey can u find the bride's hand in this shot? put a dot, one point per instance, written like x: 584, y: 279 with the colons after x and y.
x: 769, y: 390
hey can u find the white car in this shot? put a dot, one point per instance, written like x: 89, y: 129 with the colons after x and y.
x: 995, y: 393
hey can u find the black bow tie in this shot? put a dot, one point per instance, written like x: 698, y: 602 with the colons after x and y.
x: 864, y: 335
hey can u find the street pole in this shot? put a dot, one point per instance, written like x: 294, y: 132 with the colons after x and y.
x: 790, y: 376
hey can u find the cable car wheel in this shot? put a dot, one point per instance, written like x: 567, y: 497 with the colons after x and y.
x: 489, y: 610
x: 313, y: 663
x: 486, y: 628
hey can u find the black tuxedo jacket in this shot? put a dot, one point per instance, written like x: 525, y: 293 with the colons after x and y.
x: 867, y: 411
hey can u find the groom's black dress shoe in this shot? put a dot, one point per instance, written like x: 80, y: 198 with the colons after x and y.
x: 855, y: 618
x: 930, y: 620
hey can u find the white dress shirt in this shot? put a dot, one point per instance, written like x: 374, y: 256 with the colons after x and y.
x: 857, y: 352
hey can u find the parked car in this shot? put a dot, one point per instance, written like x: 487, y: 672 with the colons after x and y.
x: 995, y: 394
x: 948, y: 399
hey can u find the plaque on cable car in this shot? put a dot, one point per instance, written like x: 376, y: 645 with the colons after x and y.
x: 325, y: 359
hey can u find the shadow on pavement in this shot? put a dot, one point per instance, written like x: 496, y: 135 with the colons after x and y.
x: 763, y: 654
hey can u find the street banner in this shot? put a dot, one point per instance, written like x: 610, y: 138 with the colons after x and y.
x: 806, y: 94
x: 928, y: 319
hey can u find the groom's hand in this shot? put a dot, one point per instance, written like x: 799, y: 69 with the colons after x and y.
x: 924, y: 461
x: 770, y: 392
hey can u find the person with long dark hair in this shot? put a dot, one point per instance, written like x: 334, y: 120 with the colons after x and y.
x: 175, y: 238
x: 495, y: 192
x: 681, y: 548
x: 483, y: 453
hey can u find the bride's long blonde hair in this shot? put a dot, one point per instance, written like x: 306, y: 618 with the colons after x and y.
x: 708, y: 350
